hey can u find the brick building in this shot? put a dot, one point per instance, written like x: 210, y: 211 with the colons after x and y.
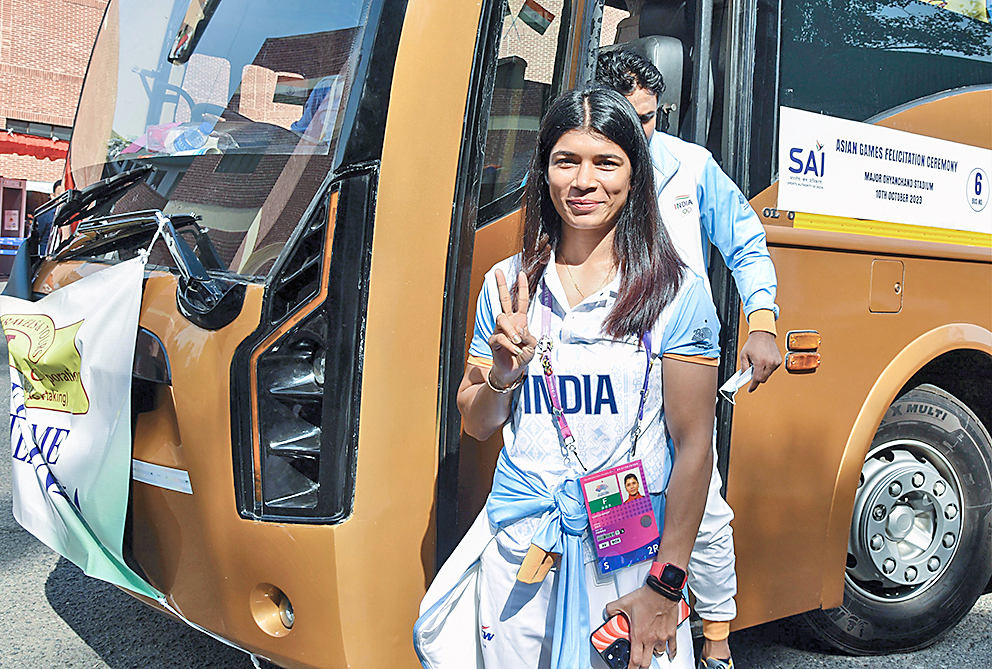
x: 44, y: 48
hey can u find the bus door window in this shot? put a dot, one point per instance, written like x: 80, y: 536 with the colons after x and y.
x: 530, y: 62
x: 664, y: 32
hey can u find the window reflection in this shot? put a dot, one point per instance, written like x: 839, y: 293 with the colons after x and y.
x: 238, y: 111
x: 856, y: 58
x: 528, y: 53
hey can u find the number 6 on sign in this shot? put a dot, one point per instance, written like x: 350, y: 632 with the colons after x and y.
x: 977, y: 197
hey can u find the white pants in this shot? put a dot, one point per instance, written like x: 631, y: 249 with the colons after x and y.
x: 712, y: 565
x: 516, y: 620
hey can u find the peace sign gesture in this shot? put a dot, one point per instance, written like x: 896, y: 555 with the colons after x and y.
x: 512, y: 343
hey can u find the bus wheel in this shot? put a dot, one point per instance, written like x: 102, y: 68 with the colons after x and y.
x: 920, y: 549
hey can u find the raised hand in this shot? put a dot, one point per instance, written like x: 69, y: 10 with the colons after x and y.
x: 512, y: 343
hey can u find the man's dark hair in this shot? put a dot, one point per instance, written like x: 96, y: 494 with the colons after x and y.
x: 57, y: 184
x: 625, y: 71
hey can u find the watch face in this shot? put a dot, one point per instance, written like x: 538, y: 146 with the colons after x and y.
x: 673, y: 577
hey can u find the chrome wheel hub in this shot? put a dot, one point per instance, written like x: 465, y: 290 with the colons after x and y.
x: 907, y: 521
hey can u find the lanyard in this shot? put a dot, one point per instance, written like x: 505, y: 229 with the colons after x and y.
x: 544, y: 349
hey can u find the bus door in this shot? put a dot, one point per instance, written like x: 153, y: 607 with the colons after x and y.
x: 535, y: 50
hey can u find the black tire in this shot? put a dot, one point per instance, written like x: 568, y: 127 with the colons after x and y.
x: 927, y: 433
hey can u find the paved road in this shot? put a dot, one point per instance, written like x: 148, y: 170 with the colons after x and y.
x: 53, y: 616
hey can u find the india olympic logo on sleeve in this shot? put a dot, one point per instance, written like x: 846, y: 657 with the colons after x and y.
x: 977, y: 189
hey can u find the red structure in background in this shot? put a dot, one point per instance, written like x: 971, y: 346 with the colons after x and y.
x: 29, y: 145
x: 14, y: 205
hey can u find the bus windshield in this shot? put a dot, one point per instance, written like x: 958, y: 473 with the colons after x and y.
x: 236, y: 105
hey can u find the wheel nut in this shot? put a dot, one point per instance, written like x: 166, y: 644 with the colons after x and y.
x: 889, y: 566
x: 948, y: 540
x: 933, y: 564
x: 877, y: 542
x: 878, y: 513
x: 951, y: 512
x: 919, y: 479
x: 911, y: 574
x: 939, y: 488
x: 895, y: 488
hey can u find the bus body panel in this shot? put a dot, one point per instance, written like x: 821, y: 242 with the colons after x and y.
x: 800, y: 441
x: 798, y: 444
x: 384, y: 571
x: 477, y: 460
x: 961, y: 117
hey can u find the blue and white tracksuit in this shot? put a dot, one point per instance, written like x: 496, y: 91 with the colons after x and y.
x: 536, y: 497
x: 700, y: 205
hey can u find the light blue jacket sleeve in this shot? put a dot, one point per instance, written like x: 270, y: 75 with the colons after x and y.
x: 732, y: 226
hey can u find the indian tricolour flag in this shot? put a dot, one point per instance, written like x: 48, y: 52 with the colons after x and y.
x: 536, y: 16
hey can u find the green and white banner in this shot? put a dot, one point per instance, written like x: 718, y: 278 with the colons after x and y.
x: 71, y: 356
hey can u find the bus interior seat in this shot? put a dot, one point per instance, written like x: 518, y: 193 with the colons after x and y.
x: 674, y: 19
x: 666, y: 54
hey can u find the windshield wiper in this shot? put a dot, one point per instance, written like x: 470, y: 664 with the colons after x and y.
x: 206, y: 300
x: 71, y: 206
x: 75, y: 204
x: 127, y: 233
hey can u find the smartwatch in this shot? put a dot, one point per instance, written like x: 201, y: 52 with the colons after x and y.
x: 669, y: 575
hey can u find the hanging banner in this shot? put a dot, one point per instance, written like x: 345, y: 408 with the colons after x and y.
x: 71, y: 355
x: 835, y: 167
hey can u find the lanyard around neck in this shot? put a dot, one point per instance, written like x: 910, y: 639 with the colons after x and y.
x: 544, y: 349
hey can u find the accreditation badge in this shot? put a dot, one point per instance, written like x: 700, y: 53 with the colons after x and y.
x: 621, y: 517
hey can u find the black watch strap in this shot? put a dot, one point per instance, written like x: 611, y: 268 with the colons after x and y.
x: 662, y: 589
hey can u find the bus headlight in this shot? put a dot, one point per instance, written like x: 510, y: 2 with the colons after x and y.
x: 296, y: 381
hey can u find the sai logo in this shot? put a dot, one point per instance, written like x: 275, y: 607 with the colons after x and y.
x: 806, y: 162
x: 48, y: 361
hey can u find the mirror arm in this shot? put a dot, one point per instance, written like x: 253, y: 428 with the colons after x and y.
x: 207, y: 301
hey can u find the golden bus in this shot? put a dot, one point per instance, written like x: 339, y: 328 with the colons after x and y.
x: 343, y: 173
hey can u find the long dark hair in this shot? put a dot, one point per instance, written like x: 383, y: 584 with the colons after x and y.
x: 650, y: 267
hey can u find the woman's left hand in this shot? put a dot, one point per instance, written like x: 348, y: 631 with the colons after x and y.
x: 654, y: 622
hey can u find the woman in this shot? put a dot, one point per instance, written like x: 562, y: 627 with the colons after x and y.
x: 633, y: 488
x: 600, y: 286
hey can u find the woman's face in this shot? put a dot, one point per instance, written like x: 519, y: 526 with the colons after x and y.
x: 631, y: 485
x: 589, y: 179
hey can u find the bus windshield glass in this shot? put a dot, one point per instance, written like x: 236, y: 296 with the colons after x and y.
x: 236, y: 105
